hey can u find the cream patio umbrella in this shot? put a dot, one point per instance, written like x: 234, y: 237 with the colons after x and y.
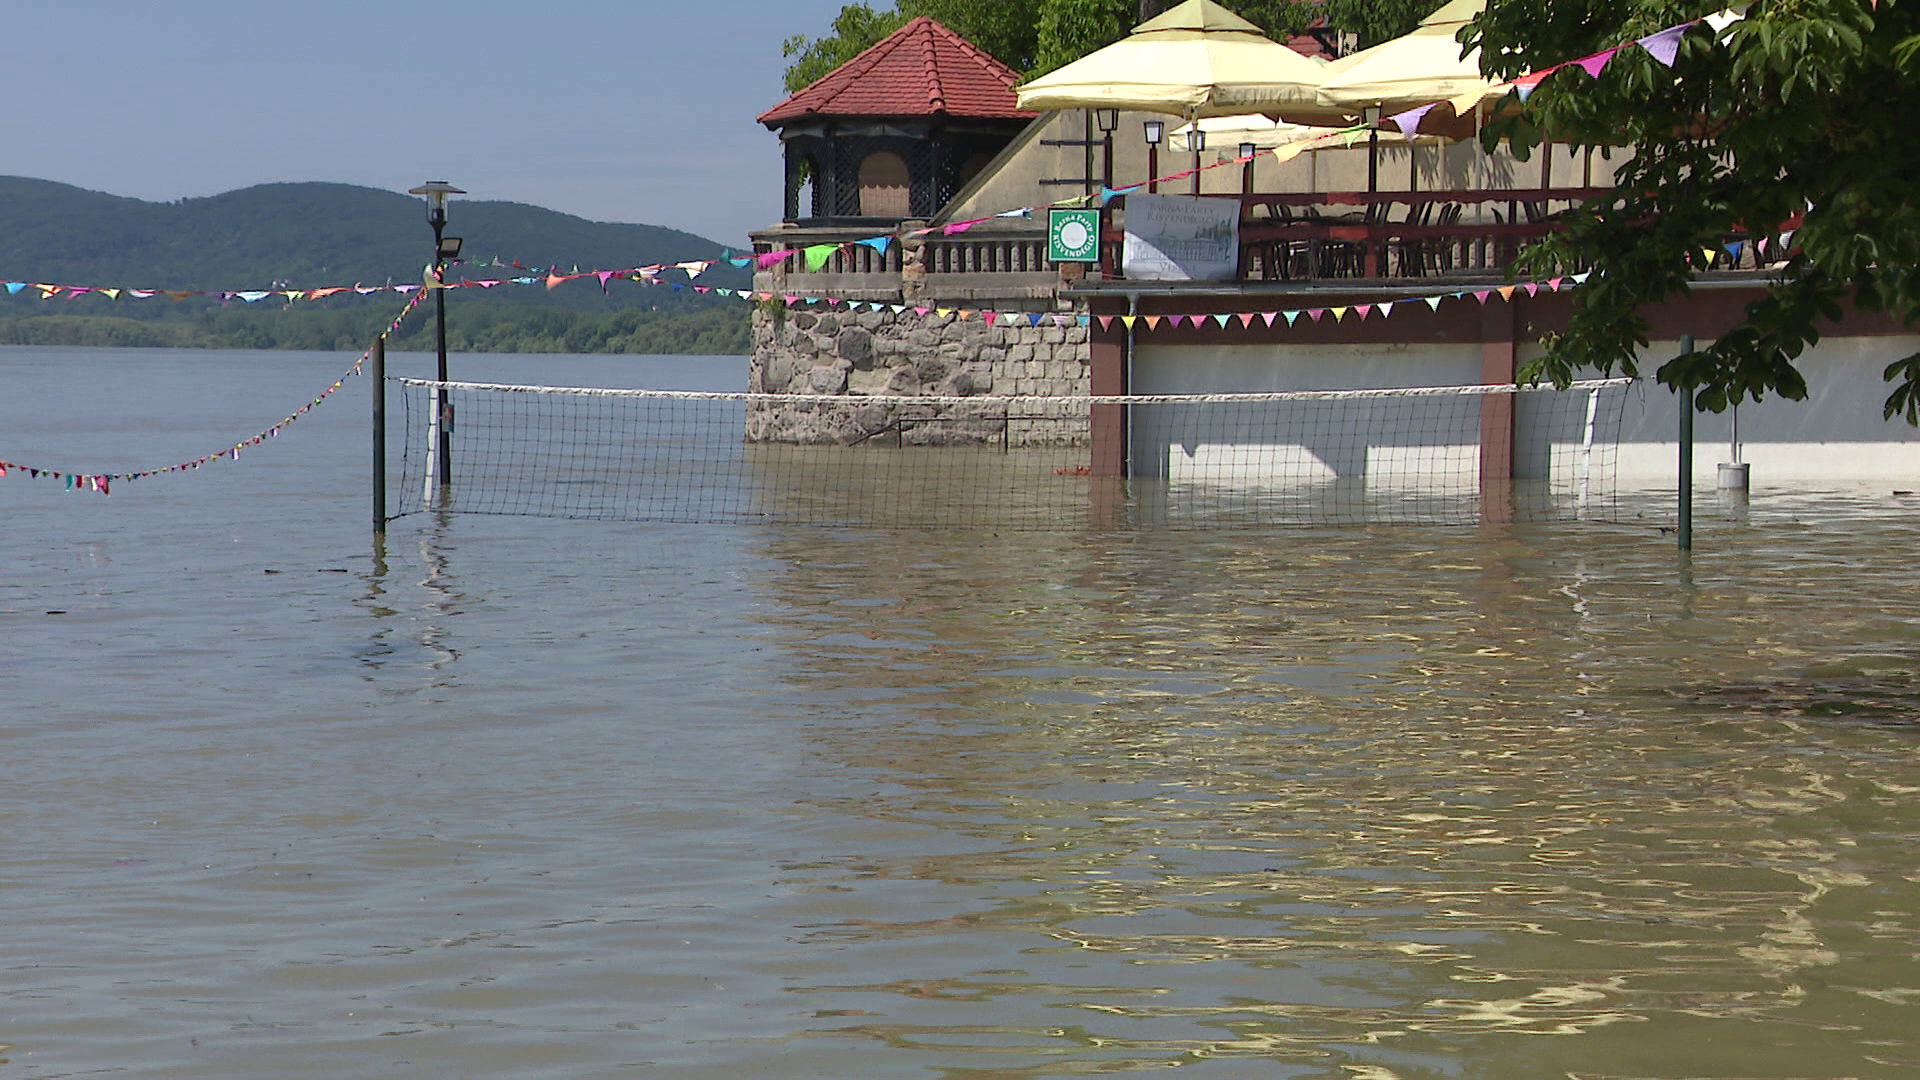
x: 1417, y: 69
x: 1420, y: 68
x: 1195, y: 60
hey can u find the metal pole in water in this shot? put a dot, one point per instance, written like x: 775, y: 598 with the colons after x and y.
x: 1686, y: 454
x: 377, y: 371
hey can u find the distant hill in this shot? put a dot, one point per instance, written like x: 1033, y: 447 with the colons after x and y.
x: 310, y: 235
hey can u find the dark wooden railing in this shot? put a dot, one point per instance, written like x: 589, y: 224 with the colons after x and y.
x: 1295, y: 236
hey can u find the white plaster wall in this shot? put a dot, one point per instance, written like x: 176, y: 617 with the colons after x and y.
x: 1835, y: 435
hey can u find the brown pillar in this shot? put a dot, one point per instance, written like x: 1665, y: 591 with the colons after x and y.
x: 1497, y: 367
x: 1107, y: 374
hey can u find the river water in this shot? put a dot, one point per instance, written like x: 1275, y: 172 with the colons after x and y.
x: 535, y: 798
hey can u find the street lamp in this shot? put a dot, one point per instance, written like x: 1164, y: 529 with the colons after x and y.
x: 444, y: 248
x: 1154, y: 131
x: 1247, y: 150
x: 1109, y: 119
x: 1199, y: 140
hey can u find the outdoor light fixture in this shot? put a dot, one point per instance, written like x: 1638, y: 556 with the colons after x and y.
x: 444, y: 248
x: 1109, y: 119
x: 1199, y: 138
x: 1155, y: 130
x: 1248, y: 149
x: 1371, y: 115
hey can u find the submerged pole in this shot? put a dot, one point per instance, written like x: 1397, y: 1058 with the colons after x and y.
x: 377, y: 371
x: 1685, y: 527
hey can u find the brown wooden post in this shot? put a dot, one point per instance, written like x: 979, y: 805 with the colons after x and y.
x: 1107, y: 374
x: 1497, y: 368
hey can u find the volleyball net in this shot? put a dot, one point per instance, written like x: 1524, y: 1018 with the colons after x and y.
x: 1305, y: 457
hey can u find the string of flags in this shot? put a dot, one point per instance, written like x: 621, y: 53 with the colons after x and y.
x: 103, y: 482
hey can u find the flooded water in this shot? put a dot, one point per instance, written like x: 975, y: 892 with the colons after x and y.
x: 532, y: 798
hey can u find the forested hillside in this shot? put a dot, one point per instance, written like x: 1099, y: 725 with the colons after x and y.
x: 315, y: 235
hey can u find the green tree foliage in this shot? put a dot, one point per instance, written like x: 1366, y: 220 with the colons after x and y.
x: 1797, y: 108
x: 1037, y: 36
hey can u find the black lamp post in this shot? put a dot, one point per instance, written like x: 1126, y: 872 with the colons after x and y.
x: 1199, y: 140
x: 1153, y: 130
x: 444, y: 248
x: 1109, y: 119
x: 1247, y: 150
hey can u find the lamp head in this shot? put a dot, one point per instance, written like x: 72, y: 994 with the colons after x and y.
x: 1154, y: 131
x: 1108, y: 119
x: 1199, y: 138
x: 436, y: 192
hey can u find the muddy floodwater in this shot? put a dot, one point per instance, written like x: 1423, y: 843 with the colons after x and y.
x: 529, y: 798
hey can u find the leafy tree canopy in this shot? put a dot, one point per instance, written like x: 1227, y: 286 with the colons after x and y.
x: 1795, y: 110
x: 1037, y: 36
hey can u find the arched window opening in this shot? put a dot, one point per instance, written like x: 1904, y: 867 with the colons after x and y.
x: 885, y: 185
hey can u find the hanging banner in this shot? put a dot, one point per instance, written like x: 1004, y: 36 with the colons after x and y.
x: 1181, y: 238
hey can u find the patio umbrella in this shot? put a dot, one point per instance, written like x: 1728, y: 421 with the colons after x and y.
x: 1417, y: 69
x: 1197, y: 59
x: 1420, y: 68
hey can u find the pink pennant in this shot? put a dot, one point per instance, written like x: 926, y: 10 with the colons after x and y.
x: 1483, y: 295
x: 1595, y: 64
x: 1364, y: 310
x: 1268, y: 317
x: 1316, y: 313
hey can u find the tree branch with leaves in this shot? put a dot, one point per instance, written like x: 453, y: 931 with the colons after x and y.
x: 1792, y: 117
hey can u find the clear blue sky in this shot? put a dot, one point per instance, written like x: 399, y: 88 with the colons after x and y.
x: 615, y: 110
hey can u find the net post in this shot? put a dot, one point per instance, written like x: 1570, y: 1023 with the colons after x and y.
x: 1685, y: 525
x: 377, y: 371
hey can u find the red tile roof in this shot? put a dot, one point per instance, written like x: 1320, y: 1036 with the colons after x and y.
x: 921, y: 69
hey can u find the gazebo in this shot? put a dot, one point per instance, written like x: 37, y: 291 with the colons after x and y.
x: 893, y: 133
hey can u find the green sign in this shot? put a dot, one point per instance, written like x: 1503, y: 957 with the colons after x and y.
x: 1073, y: 235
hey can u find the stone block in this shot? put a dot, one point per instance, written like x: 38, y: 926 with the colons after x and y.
x: 827, y: 380
x: 828, y: 324
x: 855, y: 345
x: 802, y: 320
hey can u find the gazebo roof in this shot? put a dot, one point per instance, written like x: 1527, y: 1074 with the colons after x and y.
x: 921, y: 69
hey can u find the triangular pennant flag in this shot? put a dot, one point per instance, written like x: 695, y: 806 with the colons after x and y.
x: 989, y: 316
x: 1533, y: 288
x: 1247, y: 317
x: 1506, y: 292
x: 1433, y: 301
x: 1127, y: 320
x: 1106, y: 322
x: 1483, y: 295
x: 1409, y: 122
x: 1034, y: 318
x: 1595, y: 64
x: 604, y: 276
x: 1363, y: 310
x: 1153, y: 321
x: 1339, y: 313
x: 877, y: 243
x: 817, y: 256
x: 1385, y: 308
x: 1291, y: 316
x: 1316, y: 313
x: 1665, y: 45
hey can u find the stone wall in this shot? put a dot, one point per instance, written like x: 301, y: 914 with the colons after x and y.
x: 863, y: 355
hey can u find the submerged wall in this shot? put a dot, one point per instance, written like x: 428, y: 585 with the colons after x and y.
x: 861, y: 355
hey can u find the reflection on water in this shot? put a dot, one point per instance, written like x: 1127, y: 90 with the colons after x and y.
x: 530, y: 798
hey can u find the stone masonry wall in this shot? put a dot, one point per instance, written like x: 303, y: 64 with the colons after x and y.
x: 866, y: 354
